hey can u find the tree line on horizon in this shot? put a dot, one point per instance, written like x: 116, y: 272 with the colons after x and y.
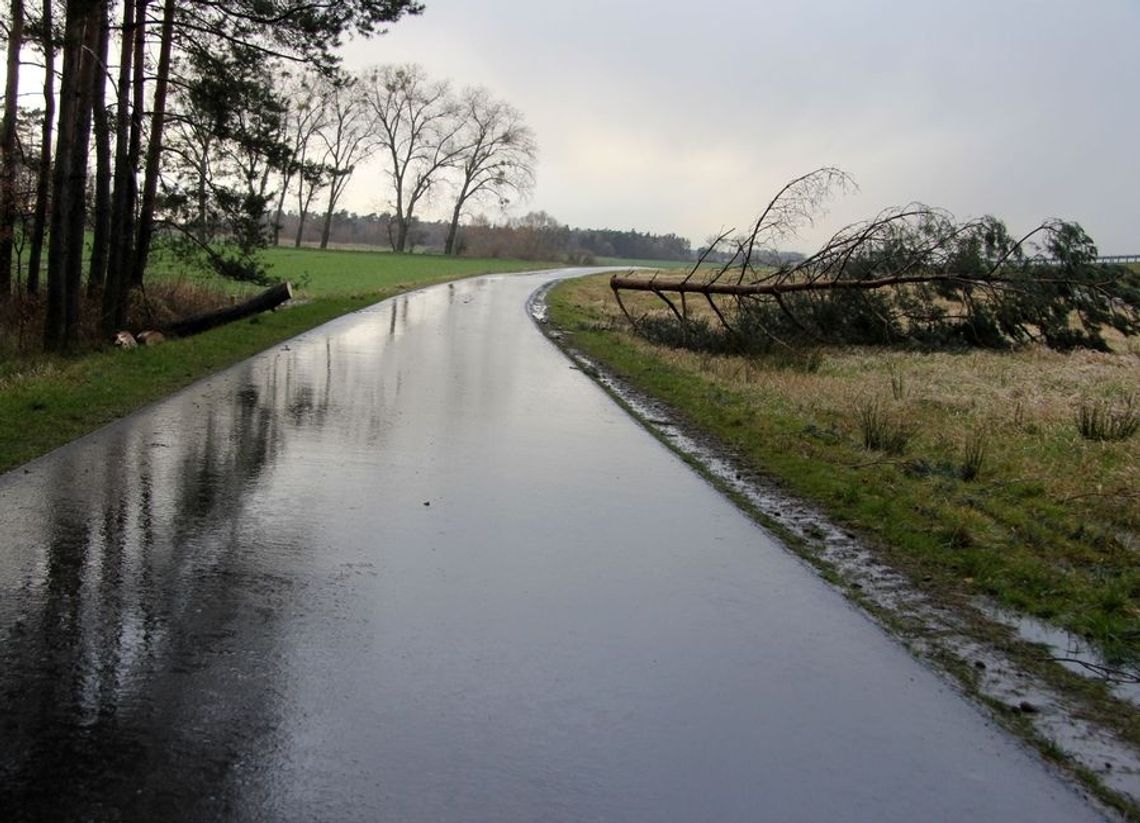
x: 533, y: 236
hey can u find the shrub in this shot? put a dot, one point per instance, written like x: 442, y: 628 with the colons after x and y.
x: 881, y: 430
x: 973, y: 455
x: 1106, y: 421
x: 898, y: 386
x: 805, y: 361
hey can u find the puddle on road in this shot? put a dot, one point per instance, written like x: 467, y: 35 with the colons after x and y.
x: 929, y: 630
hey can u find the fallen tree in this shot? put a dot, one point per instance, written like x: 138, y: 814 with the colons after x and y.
x: 912, y: 274
x: 265, y: 301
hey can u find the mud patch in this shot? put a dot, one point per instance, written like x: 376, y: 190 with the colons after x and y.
x: 1072, y: 652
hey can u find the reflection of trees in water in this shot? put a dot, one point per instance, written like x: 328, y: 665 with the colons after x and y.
x: 121, y: 675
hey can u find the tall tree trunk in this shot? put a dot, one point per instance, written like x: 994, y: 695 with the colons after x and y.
x: 154, y: 146
x: 8, y: 150
x: 280, y: 209
x: 328, y: 219
x: 122, y: 204
x: 401, y: 219
x: 62, y: 194
x: 204, y: 192
x: 101, y: 237
x: 134, y: 153
x: 402, y: 232
x: 453, y: 229
x: 303, y: 207
x: 77, y: 206
x: 43, y: 174
x: 300, y: 228
x: 303, y: 203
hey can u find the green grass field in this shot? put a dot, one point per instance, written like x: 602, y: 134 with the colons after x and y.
x: 323, y: 273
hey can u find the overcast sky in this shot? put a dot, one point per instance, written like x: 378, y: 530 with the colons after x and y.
x: 683, y: 117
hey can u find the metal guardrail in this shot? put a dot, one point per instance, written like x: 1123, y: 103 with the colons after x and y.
x: 1108, y: 258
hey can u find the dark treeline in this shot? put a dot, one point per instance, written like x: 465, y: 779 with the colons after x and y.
x: 761, y: 257
x: 631, y: 244
x: 86, y: 180
x: 535, y: 236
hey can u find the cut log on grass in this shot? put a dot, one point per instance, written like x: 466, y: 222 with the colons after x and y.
x: 125, y: 340
x: 267, y: 300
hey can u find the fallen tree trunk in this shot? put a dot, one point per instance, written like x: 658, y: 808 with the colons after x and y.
x: 632, y: 282
x: 267, y: 300
x: 912, y: 274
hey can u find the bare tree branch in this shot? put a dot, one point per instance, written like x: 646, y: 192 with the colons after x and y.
x: 910, y: 273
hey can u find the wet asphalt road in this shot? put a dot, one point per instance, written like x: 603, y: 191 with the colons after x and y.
x: 411, y: 566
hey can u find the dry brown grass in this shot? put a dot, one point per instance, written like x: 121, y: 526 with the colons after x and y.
x: 165, y: 301
x: 1022, y: 405
x: 22, y: 318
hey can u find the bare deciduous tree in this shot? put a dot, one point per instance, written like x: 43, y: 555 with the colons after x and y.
x: 303, y: 117
x: 496, y: 158
x: 347, y: 139
x: 417, y: 126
